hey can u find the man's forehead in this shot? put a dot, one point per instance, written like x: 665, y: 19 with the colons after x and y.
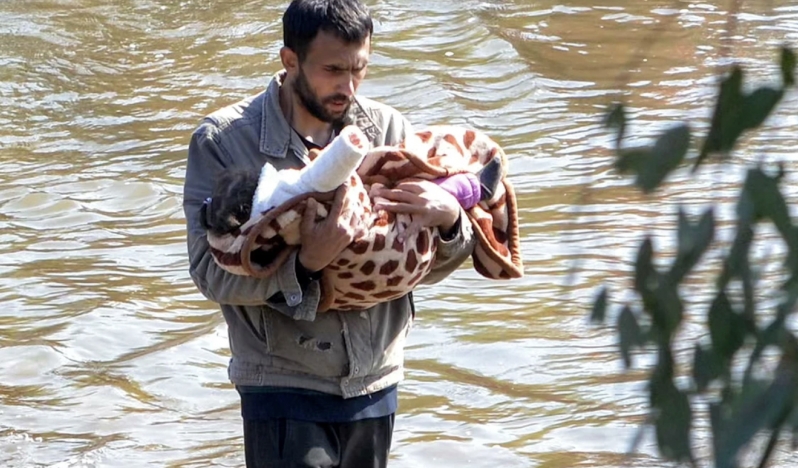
x: 329, y: 47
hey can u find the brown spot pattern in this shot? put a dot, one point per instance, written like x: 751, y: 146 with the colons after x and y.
x: 389, y: 267
x: 469, y: 138
x: 453, y: 141
x: 360, y: 247
x: 387, y: 294
x: 412, y: 262
x: 379, y: 243
x: 364, y: 286
x: 394, y: 281
x: 422, y: 242
x: 368, y: 268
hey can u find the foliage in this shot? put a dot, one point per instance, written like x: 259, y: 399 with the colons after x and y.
x: 744, y: 404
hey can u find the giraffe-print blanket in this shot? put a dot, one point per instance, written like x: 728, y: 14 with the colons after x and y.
x: 379, y: 267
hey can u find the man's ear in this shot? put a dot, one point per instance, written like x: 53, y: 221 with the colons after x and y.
x: 290, y: 59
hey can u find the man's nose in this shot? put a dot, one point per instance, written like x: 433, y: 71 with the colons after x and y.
x: 348, y: 85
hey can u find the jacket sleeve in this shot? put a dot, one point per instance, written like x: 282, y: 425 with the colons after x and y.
x: 453, y: 251
x: 283, y: 291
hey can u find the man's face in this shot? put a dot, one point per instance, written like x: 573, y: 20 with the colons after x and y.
x: 326, y: 81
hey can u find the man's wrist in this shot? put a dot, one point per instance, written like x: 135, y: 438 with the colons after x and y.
x: 305, y: 273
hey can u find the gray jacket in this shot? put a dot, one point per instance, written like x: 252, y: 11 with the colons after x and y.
x: 278, y: 339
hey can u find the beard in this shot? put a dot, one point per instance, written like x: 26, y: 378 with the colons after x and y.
x: 315, y: 104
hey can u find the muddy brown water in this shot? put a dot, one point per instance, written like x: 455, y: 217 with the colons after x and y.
x: 109, y: 357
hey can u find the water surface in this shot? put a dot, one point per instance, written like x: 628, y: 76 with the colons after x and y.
x: 111, y: 358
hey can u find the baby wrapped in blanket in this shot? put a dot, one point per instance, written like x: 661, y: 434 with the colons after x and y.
x: 253, y: 221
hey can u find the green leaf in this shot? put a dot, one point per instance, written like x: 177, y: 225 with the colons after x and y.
x: 787, y: 66
x: 729, y: 108
x: 768, y: 201
x: 755, y: 410
x: 599, y: 307
x: 693, y: 240
x: 652, y: 165
x: 736, y: 262
x: 764, y: 198
x: 727, y: 328
x: 633, y: 160
x: 706, y: 367
x: 660, y: 297
x: 616, y: 119
x: 774, y: 334
x: 672, y: 413
x: 717, y: 421
x: 666, y: 309
x: 673, y: 426
x: 630, y: 334
x: 735, y: 112
x: 645, y: 274
x: 758, y: 106
x: 661, y: 381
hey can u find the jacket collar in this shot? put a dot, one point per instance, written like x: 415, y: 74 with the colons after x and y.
x: 275, y: 132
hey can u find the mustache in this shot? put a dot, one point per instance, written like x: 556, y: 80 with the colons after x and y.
x: 338, y: 97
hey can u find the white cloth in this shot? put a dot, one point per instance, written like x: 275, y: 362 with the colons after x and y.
x: 332, y: 167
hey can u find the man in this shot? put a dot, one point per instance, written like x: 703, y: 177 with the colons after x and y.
x: 317, y: 390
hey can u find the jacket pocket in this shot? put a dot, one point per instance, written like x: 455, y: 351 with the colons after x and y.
x: 313, y: 348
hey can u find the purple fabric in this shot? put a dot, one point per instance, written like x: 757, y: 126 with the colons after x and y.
x: 464, y: 187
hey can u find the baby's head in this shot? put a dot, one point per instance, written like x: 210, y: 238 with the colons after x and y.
x: 230, y: 204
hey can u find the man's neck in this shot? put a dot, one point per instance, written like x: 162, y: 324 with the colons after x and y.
x: 308, y: 127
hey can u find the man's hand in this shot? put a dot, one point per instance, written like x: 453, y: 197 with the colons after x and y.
x: 323, y: 240
x: 429, y: 205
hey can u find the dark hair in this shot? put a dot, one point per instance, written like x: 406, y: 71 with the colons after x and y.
x: 349, y: 20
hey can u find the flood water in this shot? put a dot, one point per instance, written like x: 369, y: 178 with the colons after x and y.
x: 109, y: 357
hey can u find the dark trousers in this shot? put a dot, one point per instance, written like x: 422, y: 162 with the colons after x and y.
x: 289, y: 443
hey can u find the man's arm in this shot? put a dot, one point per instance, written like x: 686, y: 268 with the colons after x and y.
x: 284, y: 291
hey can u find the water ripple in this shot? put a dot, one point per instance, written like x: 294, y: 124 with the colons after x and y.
x: 111, y: 353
